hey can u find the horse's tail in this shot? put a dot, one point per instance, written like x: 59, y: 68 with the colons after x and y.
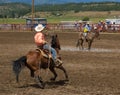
x: 18, y: 65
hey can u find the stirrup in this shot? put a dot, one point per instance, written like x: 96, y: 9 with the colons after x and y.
x: 58, y: 62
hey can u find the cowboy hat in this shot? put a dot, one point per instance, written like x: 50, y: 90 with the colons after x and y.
x: 39, y: 28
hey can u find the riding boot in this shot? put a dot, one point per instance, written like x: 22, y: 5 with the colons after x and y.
x: 58, y: 62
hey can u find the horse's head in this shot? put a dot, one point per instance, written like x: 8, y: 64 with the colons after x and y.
x: 96, y: 32
x: 55, y: 41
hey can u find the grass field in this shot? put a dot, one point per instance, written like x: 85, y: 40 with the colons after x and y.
x: 12, y: 21
x: 66, y: 16
x: 49, y: 20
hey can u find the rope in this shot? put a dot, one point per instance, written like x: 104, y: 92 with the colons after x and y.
x: 47, y: 66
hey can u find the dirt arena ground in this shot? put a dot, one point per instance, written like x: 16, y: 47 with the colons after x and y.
x: 95, y: 72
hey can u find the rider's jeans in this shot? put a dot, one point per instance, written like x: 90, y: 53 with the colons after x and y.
x: 52, y: 50
x: 54, y: 54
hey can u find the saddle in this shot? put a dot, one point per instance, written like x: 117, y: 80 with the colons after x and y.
x: 47, y: 55
x: 44, y: 52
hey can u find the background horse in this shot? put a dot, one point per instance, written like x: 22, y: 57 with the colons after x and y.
x: 35, y: 61
x: 94, y: 33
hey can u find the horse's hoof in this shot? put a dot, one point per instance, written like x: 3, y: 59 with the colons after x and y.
x: 41, y: 85
x: 67, y: 80
x: 52, y: 79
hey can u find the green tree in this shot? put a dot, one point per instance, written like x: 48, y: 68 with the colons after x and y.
x: 85, y: 19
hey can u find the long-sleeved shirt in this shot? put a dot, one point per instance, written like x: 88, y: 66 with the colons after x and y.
x: 39, y: 38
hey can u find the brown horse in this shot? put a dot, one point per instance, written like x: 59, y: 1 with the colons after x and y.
x: 94, y: 33
x: 35, y: 61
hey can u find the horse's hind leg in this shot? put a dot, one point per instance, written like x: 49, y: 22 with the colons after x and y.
x: 80, y: 42
x: 39, y: 80
x: 54, y: 72
x: 63, y: 69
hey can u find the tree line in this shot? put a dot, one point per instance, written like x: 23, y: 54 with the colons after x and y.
x: 16, y: 10
x: 103, y: 6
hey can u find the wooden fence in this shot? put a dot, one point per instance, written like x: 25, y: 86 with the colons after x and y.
x: 54, y: 27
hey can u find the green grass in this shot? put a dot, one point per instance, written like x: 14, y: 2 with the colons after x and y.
x: 12, y: 21
x: 66, y: 16
x: 58, y: 19
x: 49, y: 20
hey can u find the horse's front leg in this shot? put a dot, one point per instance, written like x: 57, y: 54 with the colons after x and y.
x: 89, y: 44
x: 80, y: 43
x: 54, y: 72
x: 63, y: 69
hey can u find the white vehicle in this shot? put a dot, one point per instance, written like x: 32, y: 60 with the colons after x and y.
x: 113, y: 21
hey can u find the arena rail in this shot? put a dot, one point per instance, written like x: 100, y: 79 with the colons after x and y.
x: 54, y: 27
